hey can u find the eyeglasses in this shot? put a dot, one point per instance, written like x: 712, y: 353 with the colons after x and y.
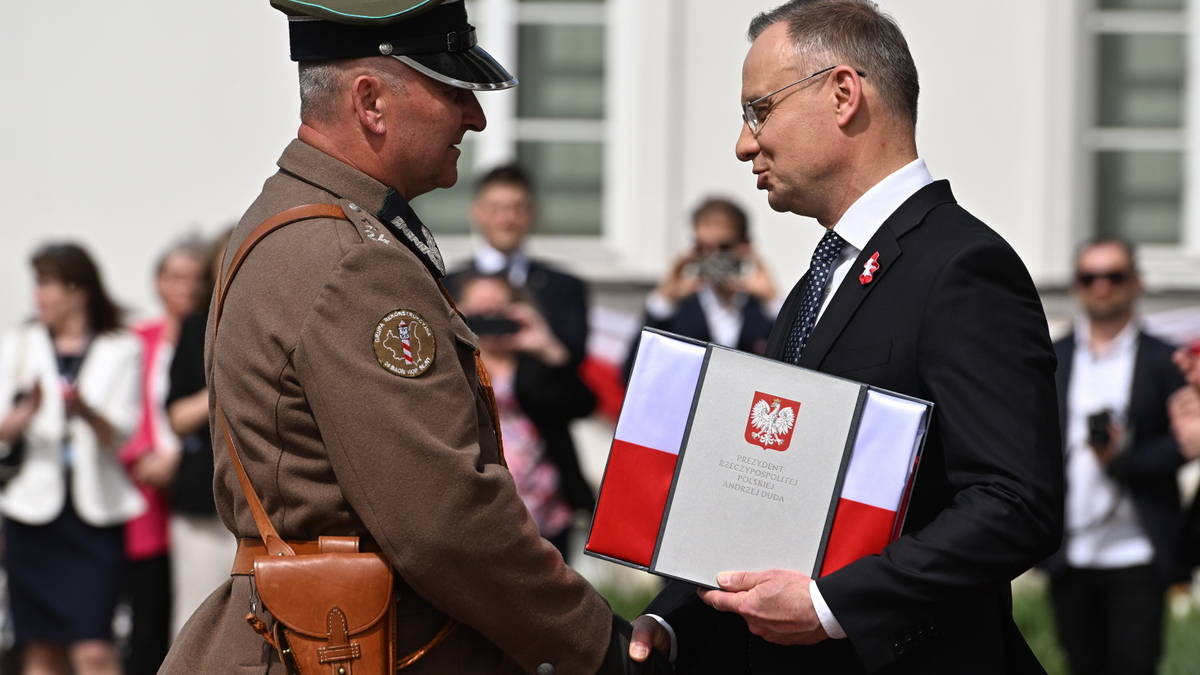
x: 1116, y: 278
x: 750, y: 115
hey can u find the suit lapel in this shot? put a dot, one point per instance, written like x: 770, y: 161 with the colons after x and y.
x: 852, y: 292
x: 849, y: 296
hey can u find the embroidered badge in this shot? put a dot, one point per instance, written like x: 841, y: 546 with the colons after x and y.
x: 772, y: 421
x: 404, y: 343
x: 869, y: 268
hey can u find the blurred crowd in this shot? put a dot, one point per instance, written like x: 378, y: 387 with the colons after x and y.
x: 106, y: 465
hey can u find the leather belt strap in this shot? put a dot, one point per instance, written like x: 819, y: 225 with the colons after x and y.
x: 249, y: 549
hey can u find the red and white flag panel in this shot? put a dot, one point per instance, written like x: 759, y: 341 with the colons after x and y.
x: 649, y: 434
x: 875, y: 489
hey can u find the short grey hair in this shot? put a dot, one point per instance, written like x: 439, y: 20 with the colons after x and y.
x: 190, y: 246
x: 322, y: 83
x: 855, y: 33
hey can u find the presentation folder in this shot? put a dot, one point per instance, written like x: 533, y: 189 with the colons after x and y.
x: 726, y: 461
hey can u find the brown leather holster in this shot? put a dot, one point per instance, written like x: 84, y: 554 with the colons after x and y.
x: 331, y: 602
x: 333, y: 610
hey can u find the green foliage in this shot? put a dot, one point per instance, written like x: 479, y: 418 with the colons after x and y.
x: 1035, y: 618
x: 1181, y: 645
x: 627, y: 603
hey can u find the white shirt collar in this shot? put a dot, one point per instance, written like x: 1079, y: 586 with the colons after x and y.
x: 867, y: 213
x: 1124, y: 341
x: 489, y: 260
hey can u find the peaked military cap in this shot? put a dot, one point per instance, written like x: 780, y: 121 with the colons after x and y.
x: 431, y: 36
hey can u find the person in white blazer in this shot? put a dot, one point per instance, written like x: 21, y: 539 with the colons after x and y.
x: 69, y: 397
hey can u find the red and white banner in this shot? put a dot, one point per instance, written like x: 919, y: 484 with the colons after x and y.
x: 875, y: 489
x: 641, y: 464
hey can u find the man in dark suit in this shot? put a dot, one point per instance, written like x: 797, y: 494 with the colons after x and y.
x: 1123, y: 515
x: 909, y: 292
x: 503, y: 213
x: 719, y: 290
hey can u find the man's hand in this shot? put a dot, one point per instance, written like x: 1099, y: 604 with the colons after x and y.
x: 757, y: 282
x: 648, y: 634
x: 775, y: 604
x: 534, y: 336
x: 1188, y: 361
x: 1184, y: 408
x: 677, y: 284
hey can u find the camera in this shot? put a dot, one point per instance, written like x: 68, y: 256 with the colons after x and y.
x: 484, y: 324
x: 717, y: 267
x: 1097, y: 429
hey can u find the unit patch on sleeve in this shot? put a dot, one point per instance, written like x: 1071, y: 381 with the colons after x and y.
x: 404, y: 343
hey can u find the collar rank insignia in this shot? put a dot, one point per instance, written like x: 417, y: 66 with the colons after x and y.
x: 404, y: 343
x: 403, y: 222
x: 869, y: 269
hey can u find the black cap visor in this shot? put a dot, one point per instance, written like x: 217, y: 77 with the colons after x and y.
x: 472, y: 69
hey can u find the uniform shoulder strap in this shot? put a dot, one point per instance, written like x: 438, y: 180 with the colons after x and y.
x: 270, y: 536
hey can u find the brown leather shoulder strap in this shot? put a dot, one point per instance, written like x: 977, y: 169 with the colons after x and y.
x: 270, y: 536
x: 292, y: 215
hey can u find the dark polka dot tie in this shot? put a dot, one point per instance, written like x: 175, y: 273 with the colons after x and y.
x: 827, y: 251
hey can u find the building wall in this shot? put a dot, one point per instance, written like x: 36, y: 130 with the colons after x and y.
x: 129, y: 124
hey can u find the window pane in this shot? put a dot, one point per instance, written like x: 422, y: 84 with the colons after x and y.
x: 1139, y: 195
x: 1141, y: 4
x: 561, y: 69
x: 1141, y: 80
x: 568, y: 178
x: 444, y: 212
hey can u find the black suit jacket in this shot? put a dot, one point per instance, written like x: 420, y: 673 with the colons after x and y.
x: 952, y: 317
x: 552, y: 397
x: 1148, y: 466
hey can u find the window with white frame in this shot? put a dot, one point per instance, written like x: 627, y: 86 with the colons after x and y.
x: 552, y: 124
x: 1136, y: 143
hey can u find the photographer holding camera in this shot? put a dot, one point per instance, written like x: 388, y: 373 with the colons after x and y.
x: 1120, y: 551
x: 538, y: 393
x: 718, y: 291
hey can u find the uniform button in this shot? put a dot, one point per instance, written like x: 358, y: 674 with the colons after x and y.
x: 355, y: 207
x: 898, y: 649
x: 385, y: 48
x: 546, y: 669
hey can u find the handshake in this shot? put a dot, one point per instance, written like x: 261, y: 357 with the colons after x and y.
x: 617, y: 660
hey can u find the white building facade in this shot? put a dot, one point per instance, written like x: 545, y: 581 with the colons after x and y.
x: 128, y: 125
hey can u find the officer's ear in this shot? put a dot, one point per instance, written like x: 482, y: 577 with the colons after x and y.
x: 367, y: 93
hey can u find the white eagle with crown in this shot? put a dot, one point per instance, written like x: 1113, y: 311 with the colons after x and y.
x: 772, y: 422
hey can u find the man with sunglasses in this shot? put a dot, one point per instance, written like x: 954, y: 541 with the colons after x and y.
x: 1123, y: 516
x: 909, y: 292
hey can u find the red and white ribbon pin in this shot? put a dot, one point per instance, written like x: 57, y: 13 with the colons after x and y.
x: 869, y: 268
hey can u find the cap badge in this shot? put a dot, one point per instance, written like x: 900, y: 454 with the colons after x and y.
x: 404, y: 343
x: 869, y: 269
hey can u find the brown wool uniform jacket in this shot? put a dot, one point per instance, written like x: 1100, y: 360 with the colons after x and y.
x: 337, y: 444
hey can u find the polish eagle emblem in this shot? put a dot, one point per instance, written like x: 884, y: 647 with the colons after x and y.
x: 772, y: 420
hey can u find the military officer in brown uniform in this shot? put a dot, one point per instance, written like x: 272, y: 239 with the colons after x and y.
x: 349, y: 380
